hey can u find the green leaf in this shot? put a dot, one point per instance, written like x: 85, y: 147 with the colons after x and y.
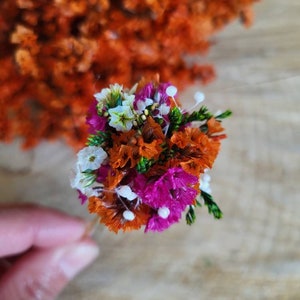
x: 98, y: 139
x: 90, y: 179
x: 88, y: 171
x: 190, y: 216
x: 224, y: 115
x: 200, y: 115
x: 198, y: 204
x: 213, y: 208
x: 144, y: 164
x: 119, y: 100
x: 176, y: 119
x: 114, y: 99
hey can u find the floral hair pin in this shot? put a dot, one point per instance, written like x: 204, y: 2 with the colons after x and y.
x: 146, y: 158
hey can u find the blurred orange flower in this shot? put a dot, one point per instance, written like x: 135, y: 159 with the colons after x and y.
x: 54, y: 55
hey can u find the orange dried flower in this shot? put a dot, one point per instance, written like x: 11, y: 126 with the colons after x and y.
x: 213, y: 126
x: 54, y: 54
x: 113, y: 178
x: 149, y: 150
x: 152, y: 131
x: 196, y: 150
x: 111, y: 212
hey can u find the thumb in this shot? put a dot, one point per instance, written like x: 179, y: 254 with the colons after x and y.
x: 42, y: 274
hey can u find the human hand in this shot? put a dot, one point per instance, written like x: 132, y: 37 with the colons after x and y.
x: 41, y: 250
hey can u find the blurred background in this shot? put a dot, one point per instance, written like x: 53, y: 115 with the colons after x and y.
x: 253, y: 252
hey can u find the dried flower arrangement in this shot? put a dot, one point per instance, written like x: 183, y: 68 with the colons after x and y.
x: 54, y: 54
x: 146, y: 158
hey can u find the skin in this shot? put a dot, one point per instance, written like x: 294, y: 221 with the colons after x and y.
x: 41, y: 250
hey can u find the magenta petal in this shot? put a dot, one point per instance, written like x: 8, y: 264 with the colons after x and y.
x: 156, y: 223
x: 146, y: 92
x: 149, y: 91
x: 172, y: 190
x: 139, y: 185
x: 179, y: 178
x: 82, y: 197
x: 95, y: 122
x: 185, y: 197
x: 174, y: 187
x: 157, y: 194
x: 102, y: 173
x: 164, y: 98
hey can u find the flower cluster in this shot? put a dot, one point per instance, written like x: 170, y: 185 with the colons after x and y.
x: 55, y: 53
x: 146, y: 158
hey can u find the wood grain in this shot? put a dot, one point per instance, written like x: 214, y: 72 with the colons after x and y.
x: 253, y: 252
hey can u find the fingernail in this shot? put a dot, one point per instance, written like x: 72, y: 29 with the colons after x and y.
x: 76, y: 257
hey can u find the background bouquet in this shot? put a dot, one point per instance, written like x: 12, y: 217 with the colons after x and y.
x: 54, y: 54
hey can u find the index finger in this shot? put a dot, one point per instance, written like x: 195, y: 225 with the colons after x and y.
x: 25, y: 225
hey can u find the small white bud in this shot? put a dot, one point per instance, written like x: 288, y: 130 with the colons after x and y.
x: 163, y: 212
x: 171, y: 90
x: 128, y: 215
x: 126, y: 192
x: 154, y: 106
x: 206, y: 177
x: 199, y: 97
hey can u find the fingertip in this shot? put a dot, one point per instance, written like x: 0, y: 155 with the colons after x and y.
x: 42, y: 274
x: 23, y: 226
x: 77, y: 257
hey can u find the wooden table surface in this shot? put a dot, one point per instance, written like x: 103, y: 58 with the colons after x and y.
x: 254, y: 251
